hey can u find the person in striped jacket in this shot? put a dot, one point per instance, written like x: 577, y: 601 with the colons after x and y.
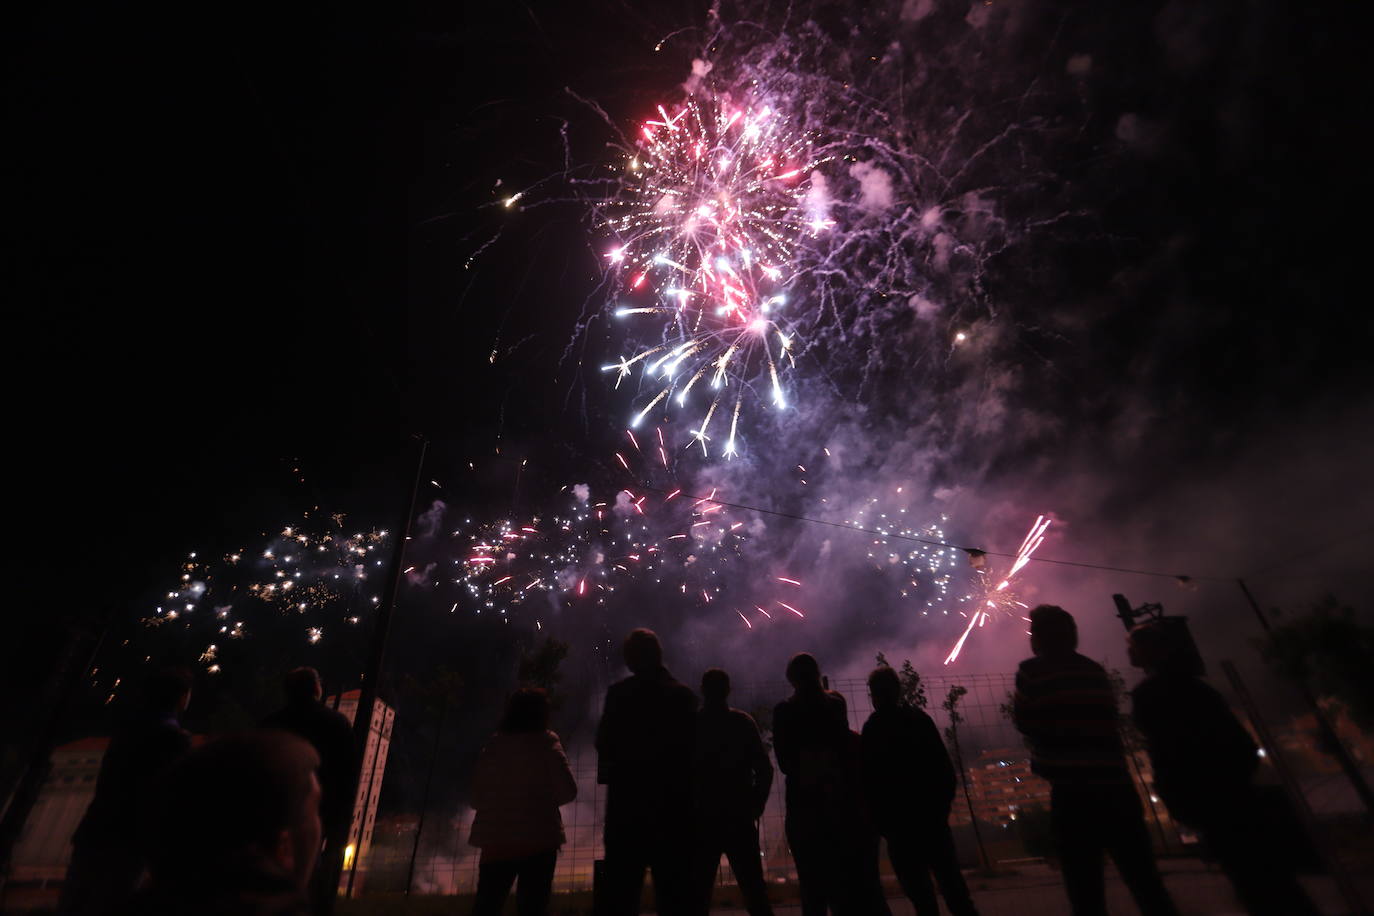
x: 1065, y: 707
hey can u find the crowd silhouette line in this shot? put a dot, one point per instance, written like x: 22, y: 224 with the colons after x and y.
x: 241, y: 824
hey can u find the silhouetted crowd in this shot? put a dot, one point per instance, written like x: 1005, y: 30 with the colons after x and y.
x: 257, y: 823
x: 237, y: 825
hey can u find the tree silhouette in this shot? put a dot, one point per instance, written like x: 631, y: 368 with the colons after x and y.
x: 539, y: 667
x: 913, y: 691
x: 1328, y: 649
x: 951, y: 706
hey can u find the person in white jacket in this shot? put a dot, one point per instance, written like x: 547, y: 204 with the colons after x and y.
x: 521, y: 779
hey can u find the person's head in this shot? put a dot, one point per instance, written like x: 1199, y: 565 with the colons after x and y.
x: 236, y: 807
x: 804, y: 672
x: 168, y: 691
x: 302, y: 685
x: 885, y: 688
x: 1052, y: 631
x: 643, y: 651
x: 715, y: 687
x: 1158, y: 649
x: 527, y: 710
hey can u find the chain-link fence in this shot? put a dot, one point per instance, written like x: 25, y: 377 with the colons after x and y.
x: 1000, y: 812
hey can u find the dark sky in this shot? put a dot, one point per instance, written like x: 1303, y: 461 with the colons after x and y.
x: 239, y: 241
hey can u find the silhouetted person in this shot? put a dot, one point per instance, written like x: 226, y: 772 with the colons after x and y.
x: 909, y: 781
x: 644, y: 745
x: 108, y: 856
x: 235, y: 829
x: 331, y: 735
x: 521, y: 780
x: 733, y: 776
x: 1065, y: 707
x: 1204, y: 761
x: 832, y: 841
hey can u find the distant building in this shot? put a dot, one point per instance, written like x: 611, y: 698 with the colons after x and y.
x: 1002, y: 785
x: 45, y: 844
x: 370, y: 785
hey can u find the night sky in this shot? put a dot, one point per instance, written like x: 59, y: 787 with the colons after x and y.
x: 255, y: 250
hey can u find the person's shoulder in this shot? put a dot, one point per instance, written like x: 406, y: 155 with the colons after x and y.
x: 168, y: 733
x: 524, y: 742
x: 916, y: 716
x: 741, y: 718
x: 1082, y: 662
x: 336, y: 718
x: 1149, y: 688
x: 1031, y: 665
x: 546, y: 738
x: 502, y: 745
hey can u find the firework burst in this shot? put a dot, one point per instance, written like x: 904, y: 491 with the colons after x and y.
x: 704, y: 235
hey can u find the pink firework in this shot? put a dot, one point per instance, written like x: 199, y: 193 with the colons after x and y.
x: 998, y: 599
x: 703, y: 239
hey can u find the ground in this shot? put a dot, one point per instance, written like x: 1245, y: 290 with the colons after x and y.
x: 1032, y: 889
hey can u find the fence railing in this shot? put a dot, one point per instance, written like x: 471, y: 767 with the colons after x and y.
x: 1008, y: 803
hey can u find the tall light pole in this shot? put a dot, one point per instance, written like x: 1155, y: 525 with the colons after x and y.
x: 372, y: 675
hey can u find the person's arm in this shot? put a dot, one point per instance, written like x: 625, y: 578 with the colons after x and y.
x: 841, y: 709
x: 607, y: 737
x: 1236, y: 751
x: 1144, y: 715
x: 684, y: 732
x: 934, y: 752
x: 347, y: 746
x: 561, y: 775
x: 784, y: 747
x: 484, y: 777
x: 343, y: 772
x: 1171, y: 741
x: 759, y: 764
x: 872, y: 766
x: 1024, y: 703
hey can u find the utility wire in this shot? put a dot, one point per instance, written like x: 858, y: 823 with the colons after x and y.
x: 971, y: 550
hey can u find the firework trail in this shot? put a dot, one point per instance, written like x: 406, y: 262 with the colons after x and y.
x: 998, y: 599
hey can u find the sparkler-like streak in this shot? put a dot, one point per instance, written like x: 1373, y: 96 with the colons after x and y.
x: 998, y: 598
